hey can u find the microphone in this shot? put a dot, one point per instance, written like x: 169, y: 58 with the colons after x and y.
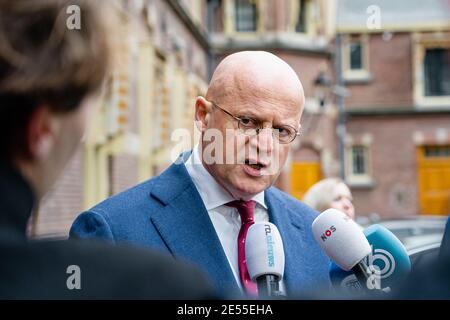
x: 345, y: 243
x: 389, y: 257
x: 264, y: 254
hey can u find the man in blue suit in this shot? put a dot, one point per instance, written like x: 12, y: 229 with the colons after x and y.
x: 200, y: 208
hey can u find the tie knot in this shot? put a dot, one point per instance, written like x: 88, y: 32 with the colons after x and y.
x: 246, y: 209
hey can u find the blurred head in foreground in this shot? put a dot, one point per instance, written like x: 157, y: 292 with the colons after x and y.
x: 50, y: 75
x: 330, y: 193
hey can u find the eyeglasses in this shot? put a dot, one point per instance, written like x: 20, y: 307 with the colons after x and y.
x: 251, y: 127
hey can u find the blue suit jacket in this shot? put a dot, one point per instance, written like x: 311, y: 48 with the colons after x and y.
x: 167, y: 213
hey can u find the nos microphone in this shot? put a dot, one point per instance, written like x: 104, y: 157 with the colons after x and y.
x: 264, y: 254
x: 389, y: 257
x: 345, y: 243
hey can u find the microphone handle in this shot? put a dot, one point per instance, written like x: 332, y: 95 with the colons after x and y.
x: 366, y: 276
x: 268, y: 286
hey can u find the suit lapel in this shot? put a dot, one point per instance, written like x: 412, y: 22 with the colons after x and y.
x: 184, y: 225
x: 292, y: 233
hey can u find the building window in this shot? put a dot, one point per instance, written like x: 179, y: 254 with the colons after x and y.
x: 356, y: 55
x: 437, y: 72
x: 246, y: 15
x: 431, y: 65
x: 301, y: 22
x: 304, y: 17
x: 358, y: 165
x: 159, y: 104
x: 437, y: 151
x: 359, y: 160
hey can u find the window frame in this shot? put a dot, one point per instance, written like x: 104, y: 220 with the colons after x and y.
x: 254, y: 4
x: 421, y: 43
x: 229, y: 19
x: 362, y: 179
x: 312, y: 10
x: 362, y: 74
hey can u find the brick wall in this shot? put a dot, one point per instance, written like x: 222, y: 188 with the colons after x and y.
x: 393, y: 157
x: 63, y: 203
x: 124, y: 172
x: 307, y: 67
x: 390, y: 66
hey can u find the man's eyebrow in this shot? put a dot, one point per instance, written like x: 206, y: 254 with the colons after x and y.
x: 250, y: 114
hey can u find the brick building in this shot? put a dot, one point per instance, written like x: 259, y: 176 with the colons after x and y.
x: 398, y: 105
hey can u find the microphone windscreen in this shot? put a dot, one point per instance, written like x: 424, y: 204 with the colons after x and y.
x: 264, y: 250
x: 389, y: 255
x: 341, y: 238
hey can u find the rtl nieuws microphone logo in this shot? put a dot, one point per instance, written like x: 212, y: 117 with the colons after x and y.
x: 270, y: 243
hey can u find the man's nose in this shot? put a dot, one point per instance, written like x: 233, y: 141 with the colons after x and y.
x: 264, y: 140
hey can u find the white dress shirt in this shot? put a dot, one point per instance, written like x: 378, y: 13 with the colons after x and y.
x: 226, y: 220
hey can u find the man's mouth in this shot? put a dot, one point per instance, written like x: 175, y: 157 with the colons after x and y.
x: 252, y: 164
x: 256, y: 168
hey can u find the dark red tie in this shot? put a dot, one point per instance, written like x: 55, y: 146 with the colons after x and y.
x: 246, y: 211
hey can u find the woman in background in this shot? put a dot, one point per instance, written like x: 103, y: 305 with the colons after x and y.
x: 330, y: 193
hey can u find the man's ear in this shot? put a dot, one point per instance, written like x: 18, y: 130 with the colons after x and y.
x: 202, y: 113
x: 40, y: 133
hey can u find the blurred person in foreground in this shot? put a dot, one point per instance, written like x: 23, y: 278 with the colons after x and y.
x: 49, y: 80
x: 431, y: 280
x: 201, y: 207
x: 330, y: 193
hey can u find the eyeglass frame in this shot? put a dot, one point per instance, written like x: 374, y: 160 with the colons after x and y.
x: 259, y: 127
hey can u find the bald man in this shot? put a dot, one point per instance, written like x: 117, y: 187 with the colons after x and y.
x: 201, y: 207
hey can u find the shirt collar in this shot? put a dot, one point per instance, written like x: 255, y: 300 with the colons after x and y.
x: 212, y: 194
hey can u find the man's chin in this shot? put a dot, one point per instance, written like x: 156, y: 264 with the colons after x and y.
x: 246, y: 188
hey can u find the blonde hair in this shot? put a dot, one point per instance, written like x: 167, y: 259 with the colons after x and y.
x: 321, y: 194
